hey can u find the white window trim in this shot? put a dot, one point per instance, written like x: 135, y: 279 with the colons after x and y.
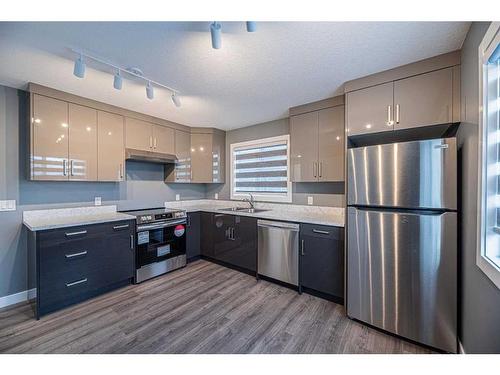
x: 283, y: 198
x: 487, y: 46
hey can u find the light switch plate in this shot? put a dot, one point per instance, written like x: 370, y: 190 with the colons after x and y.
x: 97, y: 201
x: 8, y: 205
x: 216, y: 195
x: 177, y: 197
x: 310, y: 201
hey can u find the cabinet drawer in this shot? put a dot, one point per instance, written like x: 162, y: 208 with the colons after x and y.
x: 322, y: 231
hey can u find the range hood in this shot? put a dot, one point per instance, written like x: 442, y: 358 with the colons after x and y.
x: 149, y: 156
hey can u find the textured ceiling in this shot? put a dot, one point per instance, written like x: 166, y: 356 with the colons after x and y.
x: 254, y: 78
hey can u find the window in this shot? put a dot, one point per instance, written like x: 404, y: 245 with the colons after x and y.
x: 261, y: 168
x: 488, y: 254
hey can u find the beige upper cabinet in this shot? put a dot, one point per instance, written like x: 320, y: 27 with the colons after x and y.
x: 201, y: 158
x: 370, y: 110
x: 82, y: 143
x: 182, y: 168
x: 163, y: 139
x: 424, y: 100
x: 331, y: 144
x: 110, y: 142
x: 49, y: 143
x: 138, y: 134
x: 304, y: 147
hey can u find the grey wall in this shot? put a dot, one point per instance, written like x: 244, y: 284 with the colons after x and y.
x: 480, y: 298
x: 144, y: 187
x: 324, y: 194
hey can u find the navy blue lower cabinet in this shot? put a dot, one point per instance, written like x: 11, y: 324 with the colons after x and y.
x: 322, y: 261
x: 69, y: 265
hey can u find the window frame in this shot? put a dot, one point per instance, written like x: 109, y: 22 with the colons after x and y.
x: 262, y: 197
x: 485, y: 50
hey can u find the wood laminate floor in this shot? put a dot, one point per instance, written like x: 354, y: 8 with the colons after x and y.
x: 202, y: 308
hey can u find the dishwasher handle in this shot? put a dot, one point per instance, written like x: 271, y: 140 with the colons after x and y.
x: 278, y: 224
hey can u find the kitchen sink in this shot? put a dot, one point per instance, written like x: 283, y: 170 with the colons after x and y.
x: 243, y: 209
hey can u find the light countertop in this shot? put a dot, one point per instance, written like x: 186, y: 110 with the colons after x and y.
x: 70, y: 217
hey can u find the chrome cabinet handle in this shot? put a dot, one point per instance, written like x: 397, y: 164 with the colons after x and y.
x: 64, y: 167
x: 155, y: 143
x: 150, y: 142
x: 121, y: 171
x: 71, y: 234
x: 389, y: 112
x: 302, y: 248
x: 320, y: 231
x: 69, y: 256
x: 315, y: 169
x: 320, y: 173
x: 132, y: 241
x: 397, y: 113
x: 77, y: 282
x: 71, y: 167
x: 117, y: 227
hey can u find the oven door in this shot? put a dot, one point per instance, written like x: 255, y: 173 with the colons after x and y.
x: 160, y: 241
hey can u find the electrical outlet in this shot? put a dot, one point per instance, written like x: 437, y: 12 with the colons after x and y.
x: 97, y: 201
x: 216, y: 195
x: 9, y: 205
x: 177, y: 197
x: 310, y: 201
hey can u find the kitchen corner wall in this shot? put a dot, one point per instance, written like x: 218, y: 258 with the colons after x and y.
x: 479, y: 327
x: 323, y: 193
x: 144, y: 187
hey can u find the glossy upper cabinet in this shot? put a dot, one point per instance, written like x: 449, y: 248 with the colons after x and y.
x: 49, y: 138
x: 110, y: 146
x: 201, y: 158
x: 331, y: 144
x: 163, y: 139
x: 182, y: 168
x: 370, y: 110
x: 304, y: 147
x: 138, y: 134
x: 317, y: 145
x: 82, y: 143
x: 424, y: 100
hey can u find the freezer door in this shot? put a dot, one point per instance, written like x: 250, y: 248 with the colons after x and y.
x: 402, y: 274
x: 419, y: 174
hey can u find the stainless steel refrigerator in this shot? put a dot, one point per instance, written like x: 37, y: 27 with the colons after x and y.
x: 402, y: 239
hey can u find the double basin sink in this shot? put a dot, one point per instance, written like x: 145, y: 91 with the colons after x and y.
x: 243, y: 209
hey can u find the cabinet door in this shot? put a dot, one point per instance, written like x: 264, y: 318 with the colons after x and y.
x: 163, y: 139
x: 201, y: 158
x: 193, y: 235
x: 304, y: 147
x: 207, y: 235
x: 370, y: 110
x: 223, y: 242
x: 424, y: 100
x: 110, y: 155
x: 82, y: 143
x: 138, y: 134
x: 49, y: 139
x: 182, y: 171
x: 322, y: 259
x: 331, y: 144
x: 244, y: 255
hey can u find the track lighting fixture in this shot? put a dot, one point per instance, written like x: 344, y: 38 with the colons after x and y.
x: 79, y: 69
x: 176, y: 100
x: 216, y: 31
x: 149, y: 91
x: 117, y: 81
x: 251, y: 26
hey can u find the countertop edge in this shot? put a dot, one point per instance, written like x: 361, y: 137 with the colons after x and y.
x: 36, y: 228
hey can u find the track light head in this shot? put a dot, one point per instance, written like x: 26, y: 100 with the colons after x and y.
x: 118, y: 81
x: 79, y: 69
x: 216, y: 31
x: 251, y: 26
x: 176, y: 100
x: 149, y: 91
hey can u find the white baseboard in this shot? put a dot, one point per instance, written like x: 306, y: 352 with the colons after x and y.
x: 461, y: 349
x: 12, y: 299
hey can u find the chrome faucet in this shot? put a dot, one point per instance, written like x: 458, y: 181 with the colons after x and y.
x: 250, y: 201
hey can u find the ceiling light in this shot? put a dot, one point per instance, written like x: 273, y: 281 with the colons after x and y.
x: 117, y: 81
x: 176, y: 99
x: 79, y: 69
x: 251, y: 26
x: 149, y: 91
x: 215, y: 31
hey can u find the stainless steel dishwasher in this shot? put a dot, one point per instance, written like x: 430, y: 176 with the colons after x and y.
x: 278, y: 254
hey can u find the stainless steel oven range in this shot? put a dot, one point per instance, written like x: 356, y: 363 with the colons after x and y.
x: 160, y: 242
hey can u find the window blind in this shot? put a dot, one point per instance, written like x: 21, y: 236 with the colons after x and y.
x: 261, y: 169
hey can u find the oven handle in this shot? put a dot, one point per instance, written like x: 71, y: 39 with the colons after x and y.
x: 141, y: 228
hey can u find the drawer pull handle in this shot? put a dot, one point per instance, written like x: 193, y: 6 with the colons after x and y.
x: 76, y: 254
x: 76, y: 282
x: 121, y: 226
x: 320, y: 231
x: 76, y: 233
